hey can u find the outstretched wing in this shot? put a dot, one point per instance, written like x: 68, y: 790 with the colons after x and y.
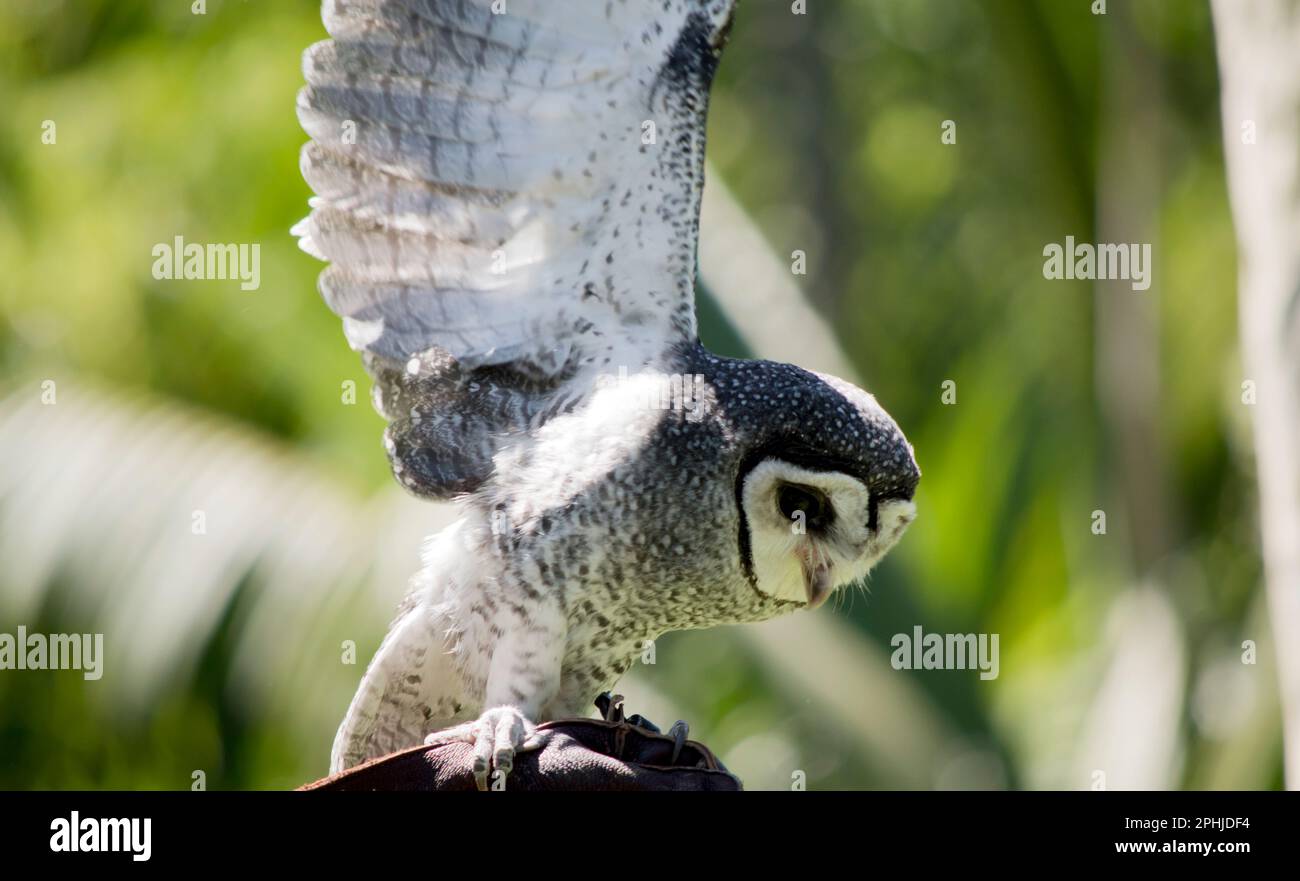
x: 508, y: 193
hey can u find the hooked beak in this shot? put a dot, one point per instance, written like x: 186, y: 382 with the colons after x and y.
x: 816, y: 576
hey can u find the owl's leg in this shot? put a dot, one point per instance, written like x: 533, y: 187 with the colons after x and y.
x: 523, y: 677
x: 498, y: 736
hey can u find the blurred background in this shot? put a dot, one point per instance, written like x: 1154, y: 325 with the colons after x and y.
x: 1121, y: 654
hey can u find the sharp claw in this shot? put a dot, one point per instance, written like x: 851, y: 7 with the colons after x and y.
x: 678, y: 733
x: 536, y: 740
x: 455, y: 734
x: 502, y: 763
x: 483, y: 745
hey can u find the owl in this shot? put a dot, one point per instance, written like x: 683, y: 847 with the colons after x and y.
x: 508, y: 194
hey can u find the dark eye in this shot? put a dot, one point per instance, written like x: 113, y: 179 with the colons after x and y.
x: 792, y: 499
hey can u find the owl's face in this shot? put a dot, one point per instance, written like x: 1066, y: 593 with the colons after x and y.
x: 813, y: 530
x: 824, y: 492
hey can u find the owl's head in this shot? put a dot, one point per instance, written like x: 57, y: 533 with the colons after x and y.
x: 824, y: 493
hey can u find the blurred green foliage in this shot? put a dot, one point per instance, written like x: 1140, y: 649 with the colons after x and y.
x: 926, y: 256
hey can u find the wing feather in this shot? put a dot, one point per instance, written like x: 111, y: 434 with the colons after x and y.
x: 486, y: 187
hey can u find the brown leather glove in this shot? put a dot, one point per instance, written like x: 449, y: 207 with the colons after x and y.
x: 614, y: 754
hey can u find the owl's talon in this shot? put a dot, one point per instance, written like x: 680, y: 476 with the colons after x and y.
x: 456, y: 734
x: 498, y: 736
x: 678, y: 733
x: 482, y: 763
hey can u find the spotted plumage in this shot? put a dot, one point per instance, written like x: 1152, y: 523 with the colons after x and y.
x: 509, y: 198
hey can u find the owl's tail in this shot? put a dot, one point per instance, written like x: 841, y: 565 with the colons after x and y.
x: 414, y: 685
